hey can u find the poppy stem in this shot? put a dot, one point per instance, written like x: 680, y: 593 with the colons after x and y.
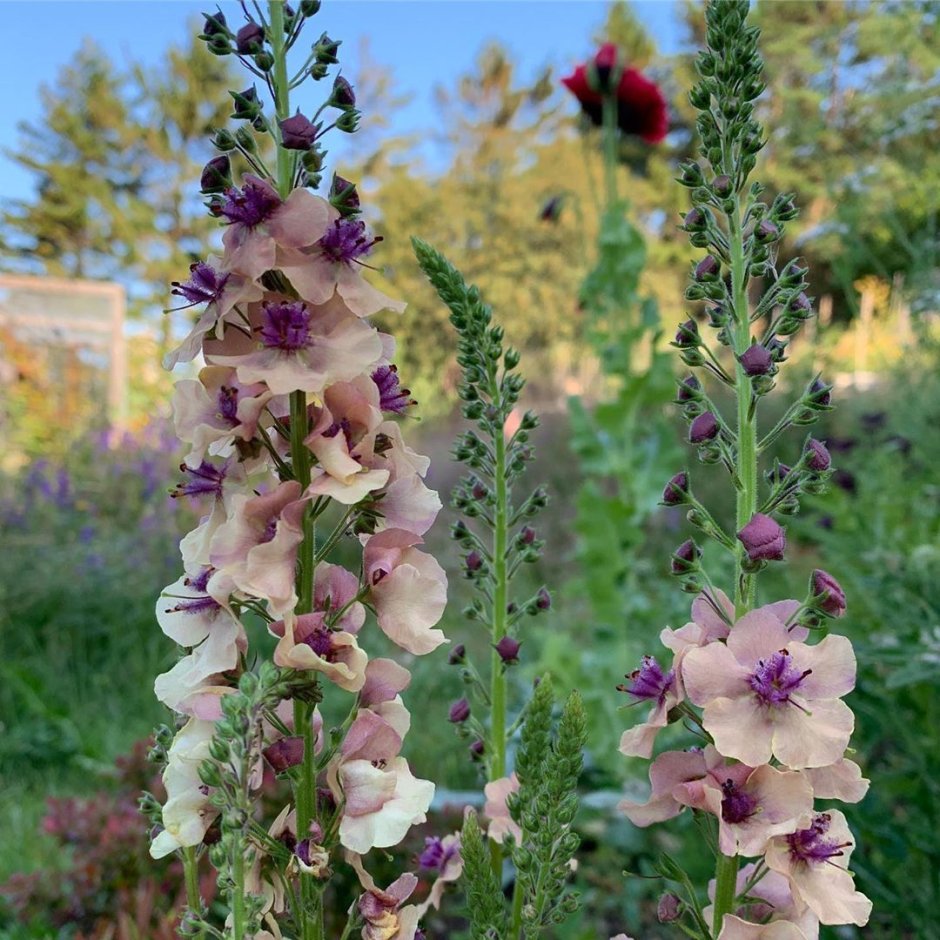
x: 610, y: 148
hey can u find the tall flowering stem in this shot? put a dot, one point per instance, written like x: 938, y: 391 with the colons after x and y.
x: 764, y: 703
x: 532, y: 809
x: 292, y: 427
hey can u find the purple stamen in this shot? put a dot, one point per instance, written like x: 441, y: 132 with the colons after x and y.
x: 808, y: 845
x: 249, y: 206
x: 286, y: 326
x: 435, y: 856
x: 206, y: 478
x: 321, y: 642
x: 392, y: 397
x: 776, y: 678
x: 346, y: 240
x: 227, y: 401
x: 736, y: 805
x: 270, y: 530
x: 205, y: 284
x: 649, y: 681
x: 197, y: 605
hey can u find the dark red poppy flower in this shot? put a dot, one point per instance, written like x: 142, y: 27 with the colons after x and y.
x: 641, y: 108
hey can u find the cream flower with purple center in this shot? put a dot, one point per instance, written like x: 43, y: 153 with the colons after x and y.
x: 408, y: 588
x: 259, y: 223
x: 496, y: 810
x: 344, y: 441
x: 295, y: 346
x: 334, y: 266
x: 214, y: 411
x: 381, y: 799
x: 256, y: 547
x: 815, y: 860
x: 307, y: 642
x: 222, y: 292
x: 649, y: 684
x: 767, y: 694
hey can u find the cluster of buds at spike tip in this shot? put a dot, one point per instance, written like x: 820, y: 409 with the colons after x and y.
x: 760, y: 693
x: 294, y: 425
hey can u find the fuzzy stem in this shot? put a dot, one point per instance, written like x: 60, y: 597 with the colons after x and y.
x: 745, y: 592
x: 311, y: 915
x: 515, y: 927
x: 726, y: 877
x: 191, y: 872
x: 238, y: 900
x: 497, y: 673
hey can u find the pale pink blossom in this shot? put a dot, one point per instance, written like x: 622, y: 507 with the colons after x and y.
x: 765, y: 693
x: 306, y: 642
x: 380, y: 798
x: 187, y: 813
x: 297, y: 346
x: 332, y: 267
x: 256, y: 547
x: 259, y: 223
x: 214, y: 411
x: 815, y: 860
x: 381, y: 909
x: 649, y: 683
x: 667, y: 773
x: 223, y: 291
x: 335, y: 592
x: 408, y: 588
x: 384, y: 680
x: 497, y: 812
x: 842, y: 780
x: 343, y: 440
x: 733, y: 928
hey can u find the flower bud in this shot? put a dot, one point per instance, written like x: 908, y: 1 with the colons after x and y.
x: 685, y: 558
x: 819, y: 394
x: 677, y: 489
x: 766, y: 231
x: 827, y: 593
x: 298, y: 132
x: 543, y: 600
x: 687, y: 336
x: 223, y: 140
x: 691, y: 175
x: 668, y: 909
x: 707, y: 269
x: 690, y: 389
x: 763, y: 539
x: 721, y: 186
x: 344, y: 195
x: 325, y: 49
x: 477, y: 749
x: 216, y: 175
x: 695, y: 221
x: 801, y: 306
x: 247, y: 105
x: 309, y: 8
x: 703, y: 428
x: 250, y: 38
x: 458, y: 655
x: 348, y: 121
x: 343, y: 96
x: 285, y: 753
x: 508, y: 650
x: 817, y: 456
x: 459, y: 711
x: 756, y: 360
x: 474, y: 561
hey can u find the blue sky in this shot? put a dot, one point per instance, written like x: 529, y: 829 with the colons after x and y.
x: 424, y: 42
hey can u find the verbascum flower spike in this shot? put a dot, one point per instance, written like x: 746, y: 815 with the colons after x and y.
x: 762, y: 696
x: 296, y: 451
x: 497, y: 536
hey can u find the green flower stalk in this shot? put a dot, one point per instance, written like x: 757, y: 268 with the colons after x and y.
x: 532, y: 810
x: 764, y: 703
